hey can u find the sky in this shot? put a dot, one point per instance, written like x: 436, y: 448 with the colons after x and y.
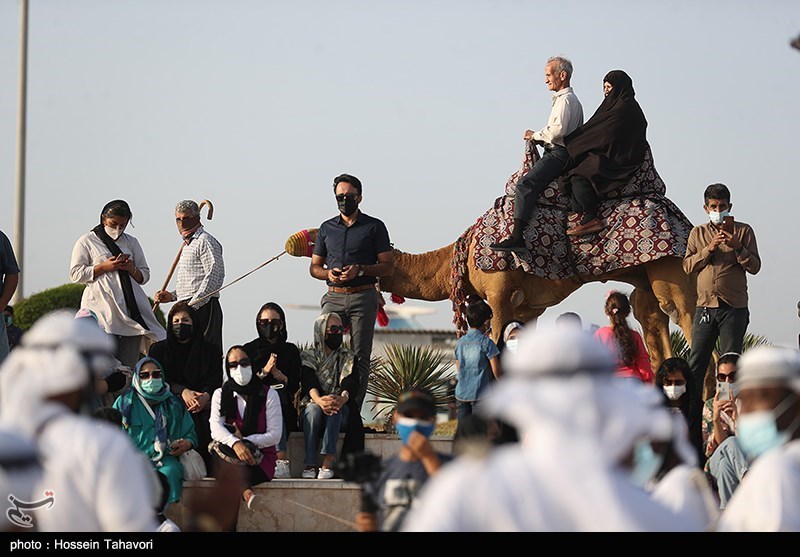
x: 256, y: 105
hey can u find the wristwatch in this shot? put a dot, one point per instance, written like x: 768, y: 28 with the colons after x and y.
x: 360, y: 271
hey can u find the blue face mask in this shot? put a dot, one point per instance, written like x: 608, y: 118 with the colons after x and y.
x: 152, y: 386
x: 757, y: 432
x: 406, y: 425
x: 646, y: 463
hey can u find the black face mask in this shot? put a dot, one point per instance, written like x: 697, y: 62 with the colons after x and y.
x: 348, y: 206
x: 334, y: 340
x: 271, y: 331
x: 183, y: 331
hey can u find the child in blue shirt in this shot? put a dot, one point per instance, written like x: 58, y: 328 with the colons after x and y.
x: 477, y: 360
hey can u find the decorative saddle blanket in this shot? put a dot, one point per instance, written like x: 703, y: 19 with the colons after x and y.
x: 641, y: 225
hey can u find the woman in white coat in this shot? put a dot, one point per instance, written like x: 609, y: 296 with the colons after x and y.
x: 113, y: 267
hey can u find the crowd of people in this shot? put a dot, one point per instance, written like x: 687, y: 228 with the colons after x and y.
x: 580, y: 430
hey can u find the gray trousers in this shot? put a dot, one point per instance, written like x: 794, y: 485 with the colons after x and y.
x: 128, y: 350
x: 358, y: 310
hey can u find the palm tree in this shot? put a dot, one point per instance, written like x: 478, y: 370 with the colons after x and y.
x: 403, y: 368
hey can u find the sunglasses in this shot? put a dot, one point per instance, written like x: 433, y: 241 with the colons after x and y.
x: 244, y: 362
x: 726, y: 376
x: 268, y: 322
x: 335, y: 329
x: 155, y: 374
x: 344, y: 196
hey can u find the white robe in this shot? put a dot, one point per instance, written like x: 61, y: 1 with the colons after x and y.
x: 104, y: 295
x: 685, y: 490
x: 100, y: 481
x: 768, y: 497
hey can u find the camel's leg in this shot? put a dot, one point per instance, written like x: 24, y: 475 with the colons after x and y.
x: 655, y: 325
x: 675, y: 290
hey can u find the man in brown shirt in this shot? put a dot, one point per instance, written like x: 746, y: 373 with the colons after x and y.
x: 721, y: 259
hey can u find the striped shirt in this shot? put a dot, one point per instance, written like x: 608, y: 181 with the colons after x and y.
x: 201, y: 269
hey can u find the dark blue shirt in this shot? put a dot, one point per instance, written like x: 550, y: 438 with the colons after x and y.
x: 8, y: 263
x: 358, y: 244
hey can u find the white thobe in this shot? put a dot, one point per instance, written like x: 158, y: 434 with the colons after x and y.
x: 768, y: 497
x: 99, y: 481
x: 103, y: 294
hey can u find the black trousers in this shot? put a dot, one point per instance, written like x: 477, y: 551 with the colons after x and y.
x: 584, y: 198
x: 209, y: 320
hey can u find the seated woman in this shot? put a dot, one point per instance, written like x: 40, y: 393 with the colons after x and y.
x: 327, y: 381
x: 193, y: 369
x: 605, y: 152
x: 246, y: 422
x: 277, y: 362
x: 157, y: 422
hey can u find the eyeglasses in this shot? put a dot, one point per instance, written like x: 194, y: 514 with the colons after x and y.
x: 155, y: 374
x: 729, y: 377
x: 244, y: 362
x: 268, y: 322
x: 335, y: 329
x: 344, y: 196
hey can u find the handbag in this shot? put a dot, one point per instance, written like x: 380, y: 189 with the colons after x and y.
x: 194, y: 467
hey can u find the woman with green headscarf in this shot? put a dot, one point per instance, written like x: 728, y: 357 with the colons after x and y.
x: 157, y: 422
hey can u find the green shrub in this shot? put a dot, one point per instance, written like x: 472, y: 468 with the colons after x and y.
x: 68, y: 296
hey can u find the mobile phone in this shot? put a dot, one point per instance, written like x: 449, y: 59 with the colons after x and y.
x: 124, y: 256
x: 723, y: 390
x: 727, y: 224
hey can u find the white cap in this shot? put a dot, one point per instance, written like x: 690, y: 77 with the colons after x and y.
x: 60, y: 327
x: 552, y: 351
x: 769, y: 366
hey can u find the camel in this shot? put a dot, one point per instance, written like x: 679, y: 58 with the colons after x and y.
x: 661, y: 291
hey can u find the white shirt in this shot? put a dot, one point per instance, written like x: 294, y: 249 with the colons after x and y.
x: 520, y: 489
x: 768, y: 497
x: 103, y: 295
x: 685, y: 490
x: 201, y: 269
x: 261, y: 440
x: 566, y: 116
x: 100, y: 481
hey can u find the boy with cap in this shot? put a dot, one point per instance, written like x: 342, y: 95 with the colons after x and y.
x: 768, y: 429
x: 403, y: 474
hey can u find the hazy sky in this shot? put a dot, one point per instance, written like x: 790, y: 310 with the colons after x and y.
x: 256, y: 105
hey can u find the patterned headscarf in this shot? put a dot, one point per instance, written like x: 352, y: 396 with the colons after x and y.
x: 331, y: 368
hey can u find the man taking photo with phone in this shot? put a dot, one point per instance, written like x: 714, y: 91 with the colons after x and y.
x: 720, y: 260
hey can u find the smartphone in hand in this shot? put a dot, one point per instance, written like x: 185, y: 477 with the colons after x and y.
x: 723, y: 390
x: 727, y: 224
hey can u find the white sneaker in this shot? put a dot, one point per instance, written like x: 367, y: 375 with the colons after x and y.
x: 309, y: 473
x: 282, y: 470
x: 325, y: 474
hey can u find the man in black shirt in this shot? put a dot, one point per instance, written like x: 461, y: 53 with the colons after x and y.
x: 352, y: 250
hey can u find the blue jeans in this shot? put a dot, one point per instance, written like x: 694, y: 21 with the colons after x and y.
x: 531, y: 186
x: 316, y: 423
x: 727, y: 466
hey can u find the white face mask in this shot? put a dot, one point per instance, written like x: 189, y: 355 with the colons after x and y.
x: 114, y: 232
x: 716, y: 218
x: 242, y: 375
x: 512, y: 344
x: 674, y: 392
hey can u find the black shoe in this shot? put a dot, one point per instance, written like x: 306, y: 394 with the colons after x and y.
x: 510, y: 244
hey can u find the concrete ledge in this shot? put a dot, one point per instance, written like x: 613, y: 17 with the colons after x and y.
x: 300, y: 505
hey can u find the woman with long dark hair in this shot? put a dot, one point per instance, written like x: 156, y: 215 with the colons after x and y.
x: 633, y: 361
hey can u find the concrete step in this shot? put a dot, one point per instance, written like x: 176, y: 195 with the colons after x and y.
x: 301, y: 505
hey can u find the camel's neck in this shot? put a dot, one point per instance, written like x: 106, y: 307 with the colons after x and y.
x: 420, y: 276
